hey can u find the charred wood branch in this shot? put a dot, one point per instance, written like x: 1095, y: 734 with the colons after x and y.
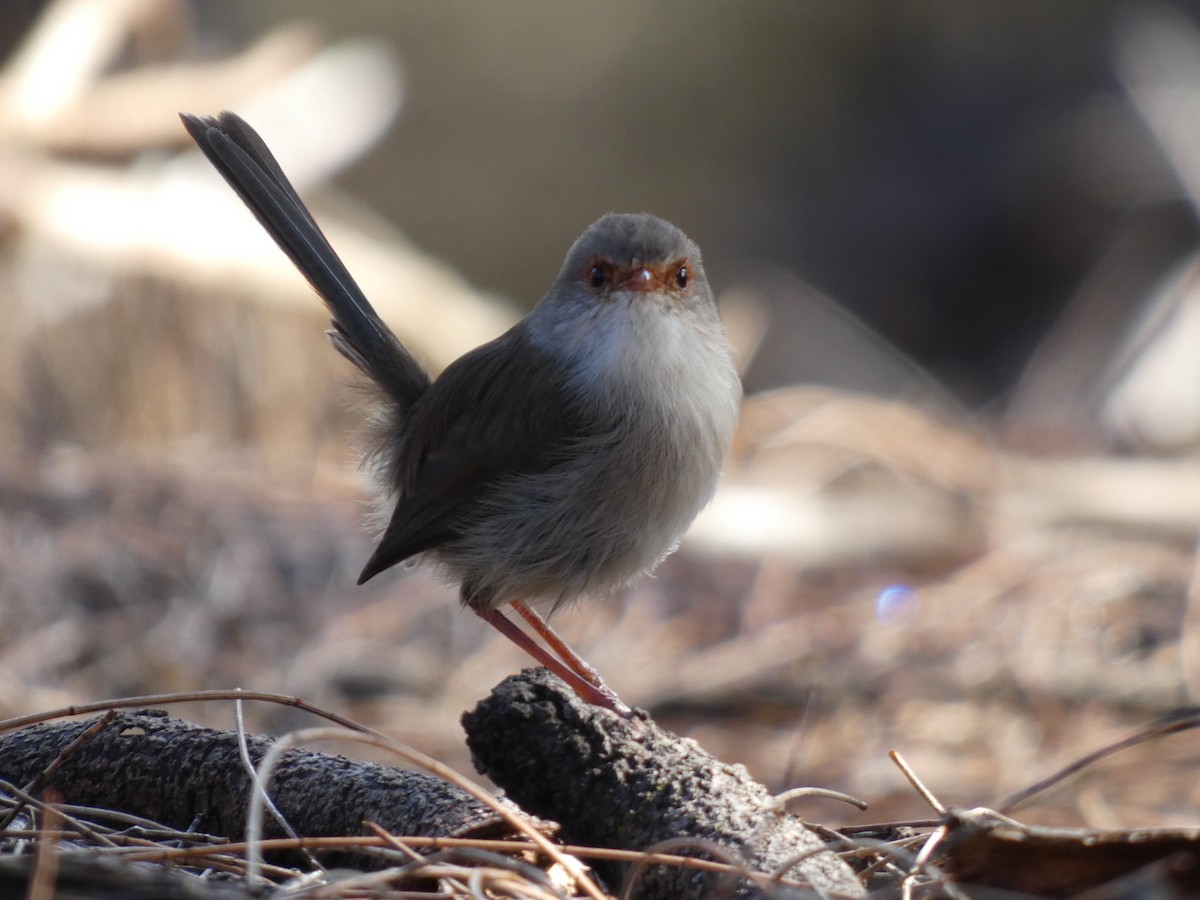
x: 627, y: 784
x: 96, y: 877
x: 186, y: 777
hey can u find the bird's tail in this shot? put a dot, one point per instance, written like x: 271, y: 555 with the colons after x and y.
x: 241, y: 156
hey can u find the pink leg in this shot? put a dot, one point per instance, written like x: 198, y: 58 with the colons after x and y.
x: 573, y: 660
x: 595, y: 692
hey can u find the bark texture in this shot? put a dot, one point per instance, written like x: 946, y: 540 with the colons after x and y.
x: 94, y: 877
x: 627, y: 784
x: 184, y: 776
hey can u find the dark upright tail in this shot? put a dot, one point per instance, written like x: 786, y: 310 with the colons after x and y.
x: 239, y: 154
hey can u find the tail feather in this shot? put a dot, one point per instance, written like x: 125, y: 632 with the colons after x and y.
x: 241, y: 156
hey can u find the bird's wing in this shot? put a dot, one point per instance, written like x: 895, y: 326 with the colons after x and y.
x: 491, y: 415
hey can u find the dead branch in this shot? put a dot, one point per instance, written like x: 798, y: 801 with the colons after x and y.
x: 94, y: 876
x: 183, y: 776
x: 627, y: 784
x: 985, y: 851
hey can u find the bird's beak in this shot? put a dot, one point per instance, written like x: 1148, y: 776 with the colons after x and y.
x: 642, y: 279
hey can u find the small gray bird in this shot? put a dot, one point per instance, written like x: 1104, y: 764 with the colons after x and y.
x: 559, y: 460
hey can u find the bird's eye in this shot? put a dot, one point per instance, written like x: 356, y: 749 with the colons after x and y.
x: 681, y: 276
x: 596, y: 277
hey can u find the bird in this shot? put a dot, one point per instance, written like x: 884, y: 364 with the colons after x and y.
x: 560, y: 460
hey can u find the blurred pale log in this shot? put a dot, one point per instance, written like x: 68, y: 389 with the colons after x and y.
x: 176, y: 220
x: 1123, y: 362
x: 144, y: 303
x: 56, y: 96
x: 73, y: 42
x: 828, y: 478
x: 157, y: 309
x: 129, y: 112
x: 1155, y: 401
x: 179, y: 223
x: 1157, y: 495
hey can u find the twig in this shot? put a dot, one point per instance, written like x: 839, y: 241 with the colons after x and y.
x: 1181, y: 720
x: 183, y: 854
x: 259, y: 789
x: 28, y: 800
x: 828, y: 793
x: 654, y: 855
x: 45, y: 870
x: 918, y: 785
x: 151, y: 700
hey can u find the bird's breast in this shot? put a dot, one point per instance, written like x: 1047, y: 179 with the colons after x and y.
x: 658, y: 381
x: 665, y: 380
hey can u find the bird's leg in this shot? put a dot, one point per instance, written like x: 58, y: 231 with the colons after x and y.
x: 573, y: 660
x: 588, y: 686
x: 577, y: 663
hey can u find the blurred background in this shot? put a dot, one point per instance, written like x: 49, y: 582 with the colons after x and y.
x: 955, y: 248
